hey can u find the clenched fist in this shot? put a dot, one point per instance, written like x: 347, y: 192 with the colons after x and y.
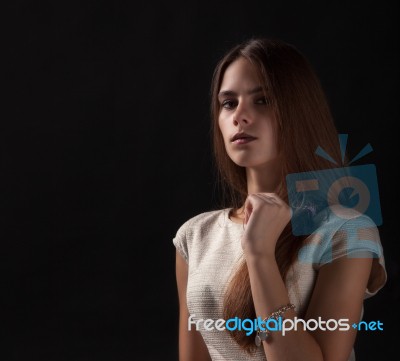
x: 266, y: 215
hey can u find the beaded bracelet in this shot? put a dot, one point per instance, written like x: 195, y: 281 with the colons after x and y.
x: 263, y: 335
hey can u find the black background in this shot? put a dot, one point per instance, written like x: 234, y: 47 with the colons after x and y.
x: 105, y: 152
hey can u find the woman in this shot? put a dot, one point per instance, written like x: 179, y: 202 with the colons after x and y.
x: 246, y: 261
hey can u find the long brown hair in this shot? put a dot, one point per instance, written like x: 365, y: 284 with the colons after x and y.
x: 303, y: 122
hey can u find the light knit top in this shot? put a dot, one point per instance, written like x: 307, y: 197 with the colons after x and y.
x: 211, y: 245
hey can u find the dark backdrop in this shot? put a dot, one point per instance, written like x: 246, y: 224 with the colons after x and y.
x: 105, y: 152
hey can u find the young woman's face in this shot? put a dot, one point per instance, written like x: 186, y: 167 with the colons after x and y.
x: 246, y: 121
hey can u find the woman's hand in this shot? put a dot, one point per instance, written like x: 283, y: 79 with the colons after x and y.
x: 266, y: 215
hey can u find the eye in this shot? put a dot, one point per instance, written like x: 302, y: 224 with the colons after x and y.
x: 262, y: 100
x: 229, y: 104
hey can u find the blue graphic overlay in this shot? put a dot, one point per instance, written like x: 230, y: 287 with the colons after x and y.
x: 327, y: 201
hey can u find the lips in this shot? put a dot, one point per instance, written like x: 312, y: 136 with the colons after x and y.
x: 242, y: 138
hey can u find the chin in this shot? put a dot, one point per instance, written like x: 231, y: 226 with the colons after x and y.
x: 245, y: 163
x: 252, y: 159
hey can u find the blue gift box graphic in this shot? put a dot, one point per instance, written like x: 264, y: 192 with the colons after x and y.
x: 331, y: 197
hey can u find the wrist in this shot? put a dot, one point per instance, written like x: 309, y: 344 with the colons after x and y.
x: 259, y: 247
x: 259, y: 250
x: 257, y: 258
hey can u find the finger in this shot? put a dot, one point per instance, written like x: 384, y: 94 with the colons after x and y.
x: 248, y: 209
x: 266, y: 198
x: 273, y: 197
x: 249, y: 204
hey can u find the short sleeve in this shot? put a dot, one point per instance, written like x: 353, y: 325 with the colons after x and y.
x: 356, y: 238
x: 180, y: 242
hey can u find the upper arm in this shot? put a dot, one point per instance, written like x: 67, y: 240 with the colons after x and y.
x: 191, y: 343
x: 339, y: 294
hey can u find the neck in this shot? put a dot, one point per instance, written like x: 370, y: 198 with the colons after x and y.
x: 264, y: 179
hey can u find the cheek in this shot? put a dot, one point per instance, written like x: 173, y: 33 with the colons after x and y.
x: 269, y: 136
x: 222, y: 127
x: 273, y: 141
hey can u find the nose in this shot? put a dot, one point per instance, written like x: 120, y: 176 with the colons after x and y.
x: 242, y: 115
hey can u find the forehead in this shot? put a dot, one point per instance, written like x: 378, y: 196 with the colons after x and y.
x: 240, y: 74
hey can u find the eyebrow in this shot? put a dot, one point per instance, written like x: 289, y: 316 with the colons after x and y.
x: 258, y: 89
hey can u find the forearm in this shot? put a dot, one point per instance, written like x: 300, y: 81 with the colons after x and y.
x: 269, y: 294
